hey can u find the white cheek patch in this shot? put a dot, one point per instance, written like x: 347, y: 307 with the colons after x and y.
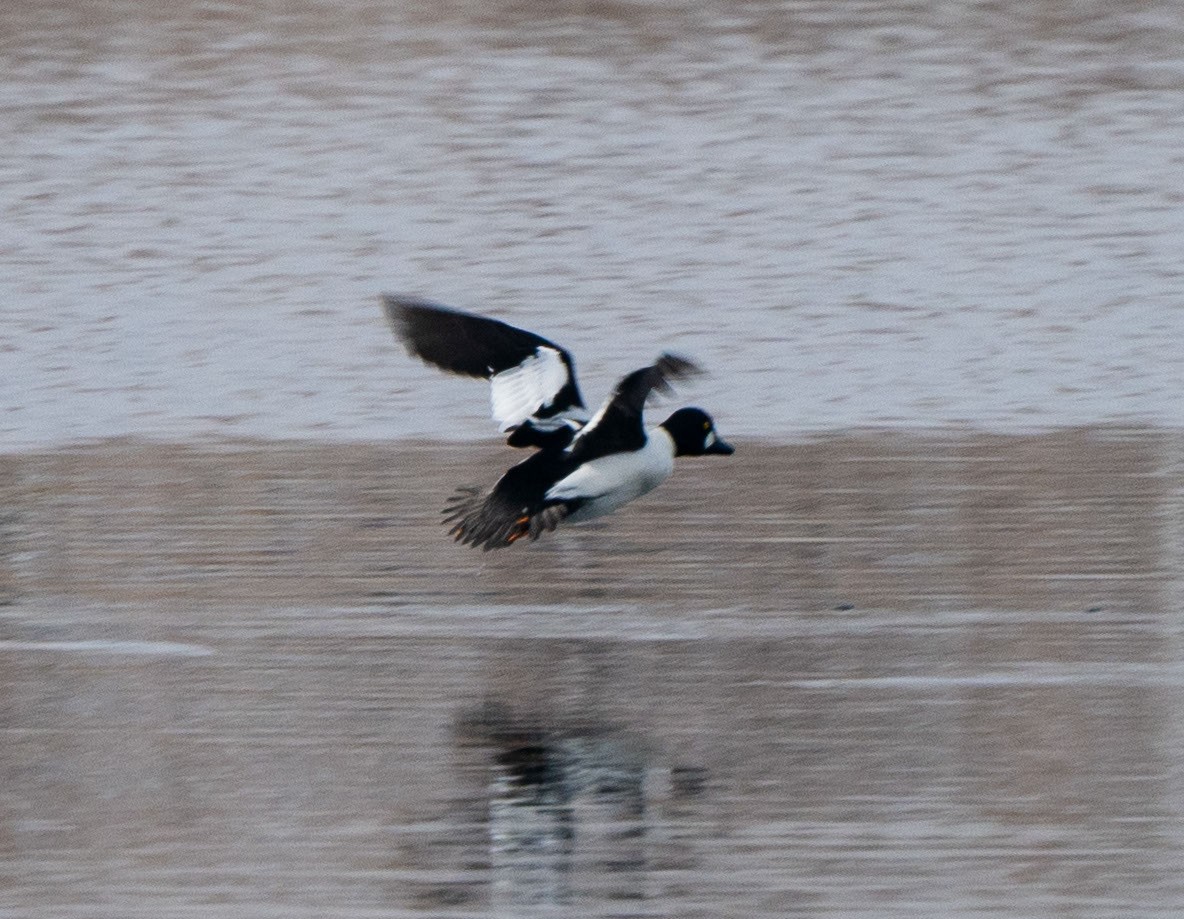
x: 710, y: 439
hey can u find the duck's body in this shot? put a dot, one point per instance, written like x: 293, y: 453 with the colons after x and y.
x: 605, y: 484
x: 584, y: 468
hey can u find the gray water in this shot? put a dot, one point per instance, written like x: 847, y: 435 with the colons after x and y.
x: 881, y: 676
x: 915, y: 650
x: 854, y: 213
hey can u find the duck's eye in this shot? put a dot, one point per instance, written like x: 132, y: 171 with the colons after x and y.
x: 706, y: 425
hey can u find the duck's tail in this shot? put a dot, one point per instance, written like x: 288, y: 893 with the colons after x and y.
x: 489, y: 521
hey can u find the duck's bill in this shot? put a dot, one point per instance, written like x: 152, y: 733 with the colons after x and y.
x: 721, y: 447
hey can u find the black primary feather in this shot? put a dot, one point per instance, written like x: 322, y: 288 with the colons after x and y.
x: 516, y: 507
x: 476, y: 346
x: 462, y: 343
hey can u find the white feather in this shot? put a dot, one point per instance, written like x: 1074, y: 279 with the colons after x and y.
x: 519, y: 392
x: 596, y: 419
x: 611, y: 481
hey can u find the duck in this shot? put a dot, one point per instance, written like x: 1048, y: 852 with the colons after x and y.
x: 584, y: 465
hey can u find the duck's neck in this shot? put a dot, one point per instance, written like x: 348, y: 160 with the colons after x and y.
x: 661, y: 439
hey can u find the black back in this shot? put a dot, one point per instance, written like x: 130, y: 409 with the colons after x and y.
x: 619, y: 427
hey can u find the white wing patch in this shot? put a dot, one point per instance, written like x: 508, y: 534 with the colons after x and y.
x: 516, y: 394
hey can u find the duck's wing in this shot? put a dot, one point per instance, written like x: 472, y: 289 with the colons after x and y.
x: 515, y: 508
x: 618, y: 426
x: 533, y: 389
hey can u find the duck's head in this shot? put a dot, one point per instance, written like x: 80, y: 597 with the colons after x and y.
x: 693, y: 433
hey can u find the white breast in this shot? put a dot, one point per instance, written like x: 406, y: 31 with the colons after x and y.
x: 611, y: 481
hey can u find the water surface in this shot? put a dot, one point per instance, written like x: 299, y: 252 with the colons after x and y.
x: 854, y: 213
x: 243, y: 673
x: 878, y: 676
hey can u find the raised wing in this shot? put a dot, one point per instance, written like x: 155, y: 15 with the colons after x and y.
x: 619, y: 426
x: 533, y: 389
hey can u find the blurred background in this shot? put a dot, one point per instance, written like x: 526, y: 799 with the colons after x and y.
x: 914, y: 650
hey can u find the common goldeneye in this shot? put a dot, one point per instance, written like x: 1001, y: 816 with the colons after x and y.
x: 586, y: 465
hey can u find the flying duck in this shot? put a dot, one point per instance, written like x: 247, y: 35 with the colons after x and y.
x: 585, y: 465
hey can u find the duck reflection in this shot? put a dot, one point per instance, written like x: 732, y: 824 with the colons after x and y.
x: 566, y: 809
